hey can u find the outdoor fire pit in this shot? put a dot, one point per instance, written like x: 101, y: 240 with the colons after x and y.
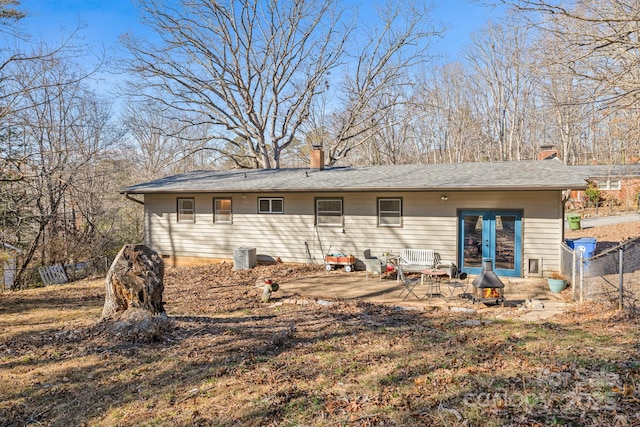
x: 487, y: 287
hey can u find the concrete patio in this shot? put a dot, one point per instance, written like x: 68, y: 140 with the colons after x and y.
x: 531, y: 296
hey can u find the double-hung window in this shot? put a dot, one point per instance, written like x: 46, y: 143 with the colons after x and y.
x: 329, y: 212
x: 222, y: 211
x: 390, y: 212
x: 186, y: 210
x: 270, y: 205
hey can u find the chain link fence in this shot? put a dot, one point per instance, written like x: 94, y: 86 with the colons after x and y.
x: 612, y: 275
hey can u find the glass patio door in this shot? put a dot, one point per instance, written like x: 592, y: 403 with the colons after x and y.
x: 491, y: 234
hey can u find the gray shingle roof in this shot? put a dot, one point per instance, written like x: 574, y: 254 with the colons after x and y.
x: 526, y: 175
x: 631, y: 170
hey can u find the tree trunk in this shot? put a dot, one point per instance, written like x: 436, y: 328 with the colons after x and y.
x: 134, y: 281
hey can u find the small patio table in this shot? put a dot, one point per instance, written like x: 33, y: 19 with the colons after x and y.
x: 434, y: 277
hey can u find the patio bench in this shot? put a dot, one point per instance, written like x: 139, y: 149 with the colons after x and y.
x: 416, y: 260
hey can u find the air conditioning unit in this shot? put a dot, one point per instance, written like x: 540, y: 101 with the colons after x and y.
x: 244, y: 258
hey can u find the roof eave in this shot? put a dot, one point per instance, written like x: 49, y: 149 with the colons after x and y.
x: 573, y: 186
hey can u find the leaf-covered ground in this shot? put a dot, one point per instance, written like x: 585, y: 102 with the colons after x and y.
x: 231, y: 360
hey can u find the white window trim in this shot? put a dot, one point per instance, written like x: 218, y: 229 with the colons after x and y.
x: 609, y: 184
x: 182, y: 211
x: 341, y: 212
x: 399, y: 212
x: 216, y: 214
x: 271, y: 199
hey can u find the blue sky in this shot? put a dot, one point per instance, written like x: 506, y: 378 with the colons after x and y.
x: 105, y: 20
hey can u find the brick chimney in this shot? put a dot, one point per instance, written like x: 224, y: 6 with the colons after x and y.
x: 548, y: 152
x: 317, y: 157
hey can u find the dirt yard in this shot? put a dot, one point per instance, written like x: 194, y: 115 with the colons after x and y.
x: 231, y: 360
x: 607, y: 236
x: 609, y: 233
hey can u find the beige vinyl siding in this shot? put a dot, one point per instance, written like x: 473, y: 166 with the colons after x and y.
x: 543, y: 226
x: 270, y: 234
x: 428, y: 222
x: 542, y: 222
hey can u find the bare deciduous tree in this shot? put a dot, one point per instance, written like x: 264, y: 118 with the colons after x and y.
x: 597, y: 40
x: 62, y: 134
x: 499, y: 57
x: 566, y: 101
x: 248, y: 69
x: 251, y: 71
x: 378, y: 81
x: 9, y: 13
x: 447, y: 124
x: 154, y: 147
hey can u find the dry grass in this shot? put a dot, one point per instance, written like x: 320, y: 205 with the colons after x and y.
x: 230, y: 360
x: 614, y: 233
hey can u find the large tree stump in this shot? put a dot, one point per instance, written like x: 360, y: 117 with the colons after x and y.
x: 133, y: 300
x: 135, y: 280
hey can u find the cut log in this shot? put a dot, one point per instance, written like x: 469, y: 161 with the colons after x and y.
x: 134, y: 281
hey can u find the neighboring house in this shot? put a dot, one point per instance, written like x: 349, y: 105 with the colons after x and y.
x: 511, y: 212
x: 618, y: 184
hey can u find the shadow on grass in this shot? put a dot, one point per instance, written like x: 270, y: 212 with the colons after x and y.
x: 348, y: 363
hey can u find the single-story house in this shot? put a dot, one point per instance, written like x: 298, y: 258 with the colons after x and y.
x: 511, y: 212
x: 618, y: 184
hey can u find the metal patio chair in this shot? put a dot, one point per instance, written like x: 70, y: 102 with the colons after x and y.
x: 408, y: 284
x: 459, y: 282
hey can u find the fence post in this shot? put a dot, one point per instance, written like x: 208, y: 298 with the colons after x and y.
x: 621, y: 276
x: 573, y: 275
x: 581, y: 266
